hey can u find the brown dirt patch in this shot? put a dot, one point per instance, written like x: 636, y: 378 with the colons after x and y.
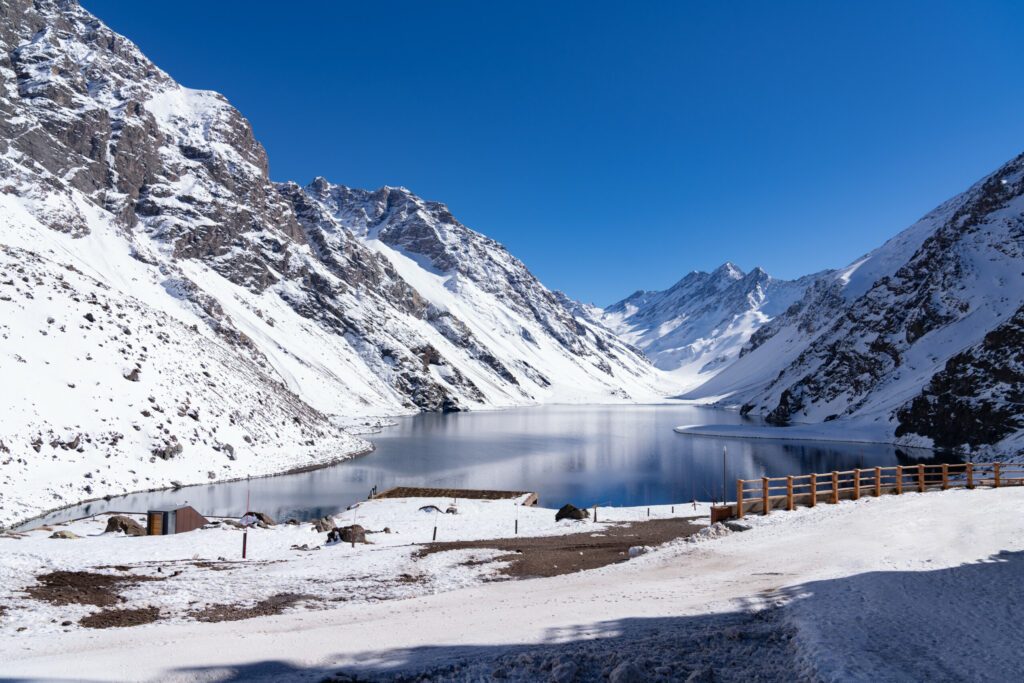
x: 275, y: 604
x: 82, y: 588
x: 119, y: 618
x: 555, y: 555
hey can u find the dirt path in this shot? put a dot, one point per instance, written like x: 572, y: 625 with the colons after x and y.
x: 556, y: 555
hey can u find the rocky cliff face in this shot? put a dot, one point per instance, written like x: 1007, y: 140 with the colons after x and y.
x: 319, y: 301
x: 917, y: 338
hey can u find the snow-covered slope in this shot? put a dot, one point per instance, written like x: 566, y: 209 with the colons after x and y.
x: 697, y: 327
x: 919, y: 340
x: 263, y: 308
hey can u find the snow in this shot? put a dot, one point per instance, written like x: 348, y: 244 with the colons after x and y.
x: 816, y: 593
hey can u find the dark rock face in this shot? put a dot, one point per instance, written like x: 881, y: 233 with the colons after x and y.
x: 976, y: 399
x: 570, y: 511
x: 943, y: 318
x: 353, y: 533
x: 181, y: 175
x: 127, y: 525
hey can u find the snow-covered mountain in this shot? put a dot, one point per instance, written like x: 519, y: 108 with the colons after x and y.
x: 697, y: 327
x: 167, y: 313
x: 920, y: 340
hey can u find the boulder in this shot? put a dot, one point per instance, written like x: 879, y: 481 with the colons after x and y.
x: 64, y: 534
x: 126, y: 524
x: 263, y: 518
x: 323, y: 525
x: 353, y: 533
x: 570, y: 511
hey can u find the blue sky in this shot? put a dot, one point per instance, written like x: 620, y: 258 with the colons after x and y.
x: 617, y: 146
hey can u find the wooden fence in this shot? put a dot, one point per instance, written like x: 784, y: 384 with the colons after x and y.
x: 785, y: 493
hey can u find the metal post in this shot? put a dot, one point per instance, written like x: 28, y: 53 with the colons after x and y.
x: 245, y: 541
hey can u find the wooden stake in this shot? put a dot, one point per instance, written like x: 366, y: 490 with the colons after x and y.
x: 920, y: 478
x: 739, y: 498
x: 878, y: 482
x: 835, y: 487
x: 764, y: 495
x: 899, y: 480
x: 245, y: 541
x: 995, y: 474
x: 814, y: 490
x: 789, y: 493
x: 856, y: 484
x: 970, y: 475
x: 945, y: 476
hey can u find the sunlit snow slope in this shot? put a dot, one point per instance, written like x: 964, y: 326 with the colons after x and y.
x: 229, y: 317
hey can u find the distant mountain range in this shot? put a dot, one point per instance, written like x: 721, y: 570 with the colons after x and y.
x: 169, y: 315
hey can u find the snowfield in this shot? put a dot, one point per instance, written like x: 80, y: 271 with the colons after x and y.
x: 909, y: 587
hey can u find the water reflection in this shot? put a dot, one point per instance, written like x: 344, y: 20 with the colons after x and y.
x: 609, y: 455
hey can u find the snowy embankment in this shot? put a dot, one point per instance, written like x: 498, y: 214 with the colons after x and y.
x: 850, y: 432
x: 812, y: 594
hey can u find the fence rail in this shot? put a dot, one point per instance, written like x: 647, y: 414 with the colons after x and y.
x: 785, y: 493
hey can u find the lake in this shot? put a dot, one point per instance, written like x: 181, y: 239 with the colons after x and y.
x: 586, y: 455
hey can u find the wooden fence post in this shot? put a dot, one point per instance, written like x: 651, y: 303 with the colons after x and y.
x: 814, y: 490
x: 789, y: 493
x: 835, y: 487
x: 920, y: 478
x: 739, y: 498
x: 856, y: 483
x: 899, y: 480
x: 764, y: 495
x: 945, y: 476
x: 878, y: 482
x: 995, y: 475
x: 970, y: 475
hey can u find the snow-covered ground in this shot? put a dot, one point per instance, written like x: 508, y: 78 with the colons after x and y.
x: 287, y: 558
x: 909, y: 587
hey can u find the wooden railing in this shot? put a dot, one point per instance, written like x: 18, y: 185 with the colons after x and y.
x: 785, y: 493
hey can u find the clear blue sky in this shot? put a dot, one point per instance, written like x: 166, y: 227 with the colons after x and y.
x: 617, y: 146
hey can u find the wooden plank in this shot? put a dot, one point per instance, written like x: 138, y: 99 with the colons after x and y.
x: 765, y: 498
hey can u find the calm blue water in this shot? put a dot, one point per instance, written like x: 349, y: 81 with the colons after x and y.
x: 607, y: 455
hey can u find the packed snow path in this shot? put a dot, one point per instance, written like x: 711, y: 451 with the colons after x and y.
x: 914, y: 587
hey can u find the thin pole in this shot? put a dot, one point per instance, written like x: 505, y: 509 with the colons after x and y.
x: 725, y: 450
x: 245, y: 531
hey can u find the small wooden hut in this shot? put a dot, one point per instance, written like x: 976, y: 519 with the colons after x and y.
x: 173, y: 520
